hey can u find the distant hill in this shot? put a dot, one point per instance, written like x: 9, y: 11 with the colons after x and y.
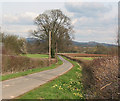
x: 81, y: 44
x: 31, y: 40
x: 90, y: 44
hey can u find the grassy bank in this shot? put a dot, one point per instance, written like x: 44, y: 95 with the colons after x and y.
x: 67, y: 86
x: 30, y: 71
x: 36, y: 55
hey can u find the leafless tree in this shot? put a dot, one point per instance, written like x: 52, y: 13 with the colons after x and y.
x: 59, y: 25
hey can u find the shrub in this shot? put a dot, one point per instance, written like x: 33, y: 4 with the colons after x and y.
x: 13, y: 45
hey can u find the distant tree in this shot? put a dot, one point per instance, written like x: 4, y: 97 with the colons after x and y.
x: 100, y: 49
x: 60, y: 27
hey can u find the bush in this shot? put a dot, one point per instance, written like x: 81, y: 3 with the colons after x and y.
x: 13, y: 45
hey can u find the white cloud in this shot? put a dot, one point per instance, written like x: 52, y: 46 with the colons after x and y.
x: 10, y: 18
x: 30, y: 15
x: 94, y: 21
x: 107, y: 35
x: 25, y: 18
x: 93, y: 14
x: 74, y: 21
x: 22, y: 31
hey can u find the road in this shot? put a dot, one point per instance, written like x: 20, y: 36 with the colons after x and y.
x: 18, y: 86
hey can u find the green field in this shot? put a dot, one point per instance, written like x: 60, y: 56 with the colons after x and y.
x: 86, y: 58
x: 67, y: 86
x: 30, y: 71
x: 36, y: 55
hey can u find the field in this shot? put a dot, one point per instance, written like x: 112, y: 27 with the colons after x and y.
x: 67, y: 86
x: 85, y: 58
x: 36, y: 55
x: 83, y: 55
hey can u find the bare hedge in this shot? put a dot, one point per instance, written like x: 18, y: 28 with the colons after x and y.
x: 11, y: 64
x: 100, y: 77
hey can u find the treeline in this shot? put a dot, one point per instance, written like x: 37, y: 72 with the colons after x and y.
x: 40, y: 47
x: 14, y: 45
x: 99, y: 49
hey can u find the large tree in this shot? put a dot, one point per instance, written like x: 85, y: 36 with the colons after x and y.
x: 59, y: 25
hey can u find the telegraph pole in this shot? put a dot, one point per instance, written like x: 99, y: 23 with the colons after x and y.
x: 49, y: 48
x: 56, y: 53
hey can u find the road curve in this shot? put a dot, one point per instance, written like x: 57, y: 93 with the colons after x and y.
x: 18, y: 86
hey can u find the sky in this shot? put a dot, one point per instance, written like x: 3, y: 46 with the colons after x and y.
x: 92, y: 21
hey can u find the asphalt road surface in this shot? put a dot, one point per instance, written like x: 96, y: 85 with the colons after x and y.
x: 18, y: 86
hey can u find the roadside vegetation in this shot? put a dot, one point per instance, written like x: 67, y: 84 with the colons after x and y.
x: 30, y: 71
x: 16, y: 61
x: 100, y: 76
x: 67, y: 86
x: 13, y: 64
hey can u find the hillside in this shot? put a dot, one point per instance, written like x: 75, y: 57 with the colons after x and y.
x: 90, y: 44
x: 81, y: 44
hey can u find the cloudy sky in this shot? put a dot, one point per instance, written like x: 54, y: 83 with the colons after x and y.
x: 92, y: 21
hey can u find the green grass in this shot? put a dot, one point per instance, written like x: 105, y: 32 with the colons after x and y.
x: 30, y: 71
x: 86, y: 58
x: 67, y: 86
x: 35, y: 55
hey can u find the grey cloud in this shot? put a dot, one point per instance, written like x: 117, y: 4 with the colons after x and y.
x: 87, y: 9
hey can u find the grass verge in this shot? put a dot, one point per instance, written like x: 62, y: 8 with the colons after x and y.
x: 30, y: 71
x: 67, y: 86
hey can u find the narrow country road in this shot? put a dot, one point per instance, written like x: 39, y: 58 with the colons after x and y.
x: 15, y: 87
